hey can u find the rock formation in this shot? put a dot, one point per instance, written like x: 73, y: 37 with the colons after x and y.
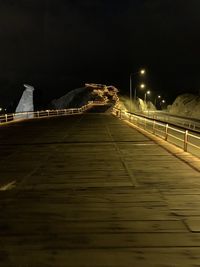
x: 80, y: 96
x: 187, y: 105
x: 26, y: 102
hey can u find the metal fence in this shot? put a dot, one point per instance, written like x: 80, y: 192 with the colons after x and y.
x: 13, y: 117
x: 187, y: 140
x: 190, y: 124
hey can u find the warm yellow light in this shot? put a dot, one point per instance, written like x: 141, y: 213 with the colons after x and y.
x: 148, y: 92
x: 159, y: 96
x: 0, y: 109
x: 163, y: 101
x: 142, y: 71
x: 142, y: 85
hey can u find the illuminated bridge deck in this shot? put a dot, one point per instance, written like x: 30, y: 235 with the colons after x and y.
x: 89, y: 191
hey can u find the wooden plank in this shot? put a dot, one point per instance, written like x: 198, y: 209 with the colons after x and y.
x: 75, y: 203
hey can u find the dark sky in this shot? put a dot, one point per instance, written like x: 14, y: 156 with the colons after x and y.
x: 59, y: 45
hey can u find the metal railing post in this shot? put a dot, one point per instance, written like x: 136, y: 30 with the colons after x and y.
x: 136, y: 121
x: 163, y: 130
x: 185, y: 140
x: 154, y: 127
x: 166, y: 131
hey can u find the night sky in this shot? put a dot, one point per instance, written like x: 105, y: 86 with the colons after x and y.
x: 57, y: 46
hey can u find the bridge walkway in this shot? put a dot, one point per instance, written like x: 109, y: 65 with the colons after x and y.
x: 89, y: 191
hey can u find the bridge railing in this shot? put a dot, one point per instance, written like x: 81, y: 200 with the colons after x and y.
x: 190, y: 124
x: 12, y: 117
x: 185, y: 139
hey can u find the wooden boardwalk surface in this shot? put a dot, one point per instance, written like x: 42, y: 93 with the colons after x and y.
x: 89, y: 191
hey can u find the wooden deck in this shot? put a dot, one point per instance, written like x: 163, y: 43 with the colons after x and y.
x: 89, y: 191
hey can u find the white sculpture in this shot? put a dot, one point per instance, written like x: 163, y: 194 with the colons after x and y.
x: 25, y: 103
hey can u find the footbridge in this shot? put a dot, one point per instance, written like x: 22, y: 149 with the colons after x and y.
x: 80, y: 188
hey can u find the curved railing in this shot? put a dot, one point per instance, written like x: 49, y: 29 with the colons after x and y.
x: 191, y: 124
x: 13, y: 117
x: 189, y: 141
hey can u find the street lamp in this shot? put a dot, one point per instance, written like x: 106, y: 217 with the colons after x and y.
x: 145, y: 95
x: 141, y: 72
x: 142, y: 85
x: 163, y: 102
x: 158, y: 97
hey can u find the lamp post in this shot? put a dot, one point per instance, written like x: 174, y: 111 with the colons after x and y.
x: 141, y: 72
x: 163, y: 102
x: 142, y: 86
x: 145, y: 95
x: 158, y: 97
x: 130, y: 92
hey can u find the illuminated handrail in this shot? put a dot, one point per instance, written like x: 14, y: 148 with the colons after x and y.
x: 100, y: 103
x: 190, y: 124
x: 182, y: 138
x: 13, y: 117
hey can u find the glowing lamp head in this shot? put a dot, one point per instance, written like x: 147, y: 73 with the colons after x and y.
x: 142, y: 71
x: 142, y: 85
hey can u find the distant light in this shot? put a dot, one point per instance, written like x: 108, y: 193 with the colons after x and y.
x: 142, y: 71
x: 159, y: 96
x: 142, y: 85
x: 148, y: 92
x: 163, y: 101
x: 0, y: 109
